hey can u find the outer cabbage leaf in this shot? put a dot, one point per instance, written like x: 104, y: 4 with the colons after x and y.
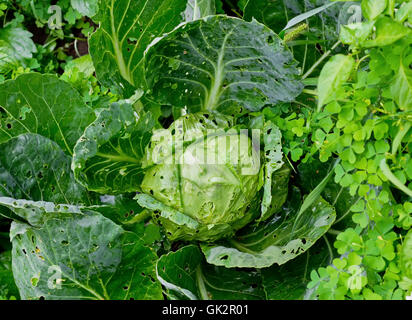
x: 43, y: 104
x: 221, y: 63
x: 88, y: 256
x: 108, y: 157
x: 33, y: 167
x: 277, y: 240
x: 289, y: 281
x: 127, y: 27
x: 185, y: 275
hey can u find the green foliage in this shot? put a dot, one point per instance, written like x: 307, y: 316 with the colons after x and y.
x: 115, y: 264
x: 186, y: 71
x: 109, y: 186
x: 370, y: 134
x: 125, y: 42
x: 198, y: 280
x: 43, y: 104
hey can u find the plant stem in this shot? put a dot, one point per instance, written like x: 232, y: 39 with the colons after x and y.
x: 323, y: 57
x: 142, y: 216
x: 311, y: 92
x: 334, y: 232
x: 329, y: 248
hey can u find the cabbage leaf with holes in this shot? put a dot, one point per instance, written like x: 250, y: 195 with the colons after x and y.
x: 176, y: 184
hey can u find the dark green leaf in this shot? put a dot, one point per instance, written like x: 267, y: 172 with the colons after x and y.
x: 43, y: 104
x: 313, y: 36
x: 7, y: 286
x: 311, y: 174
x: 33, y: 167
x: 221, y: 63
x: 122, y: 209
x: 88, y: 257
x: 272, y: 12
x: 289, y: 281
x: 126, y: 29
x: 185, y: 275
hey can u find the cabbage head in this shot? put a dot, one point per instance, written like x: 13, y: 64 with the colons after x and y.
x: 203, y: 175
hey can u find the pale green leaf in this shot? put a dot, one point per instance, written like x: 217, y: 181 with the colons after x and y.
x: 401, y: 87
x: 289, y: 281
x: 371, y: 9
x: 335, y: 73
x: 272, y: 139
x: 387, y: 32
x: 304, y: 16
x: 33, y: 167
